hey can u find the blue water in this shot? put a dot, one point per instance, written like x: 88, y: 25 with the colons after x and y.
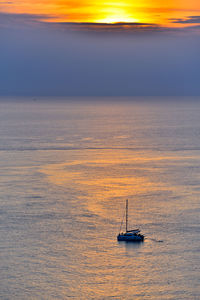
x: 67, y: 167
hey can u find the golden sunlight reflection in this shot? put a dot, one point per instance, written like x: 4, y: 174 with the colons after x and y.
x: 97, y: 176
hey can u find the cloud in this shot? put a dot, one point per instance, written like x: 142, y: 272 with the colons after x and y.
x: 13, y: 20
x: 105, y: 28
x: 22, y: 17
x: 189, y: 20
x: 121, y: 28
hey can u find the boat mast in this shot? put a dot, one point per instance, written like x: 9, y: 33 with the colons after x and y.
x: 126, y: 215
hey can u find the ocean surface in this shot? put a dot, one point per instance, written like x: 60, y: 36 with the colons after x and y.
x: 66, y: 170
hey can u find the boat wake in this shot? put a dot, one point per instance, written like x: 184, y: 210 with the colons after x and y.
x: 156, y: 241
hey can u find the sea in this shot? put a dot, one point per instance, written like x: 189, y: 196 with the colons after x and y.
x: 67, y: 167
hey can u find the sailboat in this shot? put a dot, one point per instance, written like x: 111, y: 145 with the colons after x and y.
x: 130, y: 235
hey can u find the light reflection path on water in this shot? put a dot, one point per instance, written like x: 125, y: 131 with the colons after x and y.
x: 156, y: 206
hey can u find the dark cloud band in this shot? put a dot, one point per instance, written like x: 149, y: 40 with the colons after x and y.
x: 189, y: 20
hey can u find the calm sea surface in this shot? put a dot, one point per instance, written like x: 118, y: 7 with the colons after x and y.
x: 66, y: 169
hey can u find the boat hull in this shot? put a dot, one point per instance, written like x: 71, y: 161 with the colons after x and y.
x: 130, y: 238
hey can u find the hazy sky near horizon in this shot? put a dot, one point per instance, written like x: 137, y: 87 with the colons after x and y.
x: 42, y: 54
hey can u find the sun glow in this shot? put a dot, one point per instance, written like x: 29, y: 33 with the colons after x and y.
x: 157, y: 12
x: 116, y: 15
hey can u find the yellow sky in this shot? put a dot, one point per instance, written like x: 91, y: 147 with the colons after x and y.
x: 111, y: 11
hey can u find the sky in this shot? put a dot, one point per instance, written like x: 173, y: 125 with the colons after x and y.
x: 161, y: 12
x: 99, y: 48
